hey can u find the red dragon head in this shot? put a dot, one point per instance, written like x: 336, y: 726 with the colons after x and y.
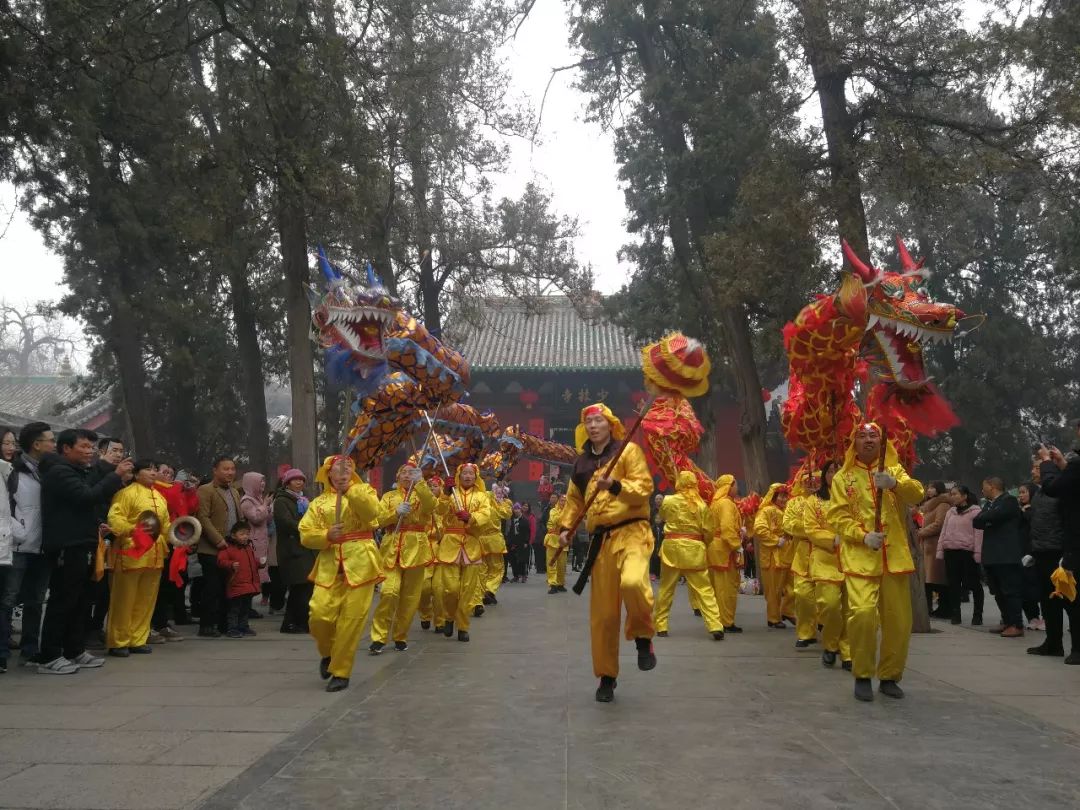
x: 900, y: 319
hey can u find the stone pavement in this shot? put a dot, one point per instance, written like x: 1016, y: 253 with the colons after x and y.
x: 509, y: 720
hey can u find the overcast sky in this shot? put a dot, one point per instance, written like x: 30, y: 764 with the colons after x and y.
x: 574, y: 162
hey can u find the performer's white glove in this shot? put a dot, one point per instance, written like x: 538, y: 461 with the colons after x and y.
x: 414, y: 475
x: 1027, y: 561
x: 874, y: 540
x: 781, y: 542
x: 884, y: 480
x: 403, y: 508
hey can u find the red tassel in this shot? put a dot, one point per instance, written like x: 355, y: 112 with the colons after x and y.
x: 142, y: 543
x: 177, y: 566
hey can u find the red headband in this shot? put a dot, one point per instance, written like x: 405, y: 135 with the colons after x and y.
x: 595, y: 410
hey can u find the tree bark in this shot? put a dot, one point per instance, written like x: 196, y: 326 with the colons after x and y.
x: 251, y: 370
x: 830, y: 78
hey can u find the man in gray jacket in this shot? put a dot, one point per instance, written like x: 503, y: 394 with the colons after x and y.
x: 28, y: 579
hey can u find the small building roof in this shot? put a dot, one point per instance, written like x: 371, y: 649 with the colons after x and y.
x: 548, y: 333
x: 46, y: 398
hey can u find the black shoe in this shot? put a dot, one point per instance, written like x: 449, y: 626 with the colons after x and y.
x: 425, y: 625
x: 553, y: 589
x: 605, y: 692
x: 864, y: 690
x: 119, y: 652
x: 3, y: 665
x: 789, y: 620
x: 294, y: 629
x: 254, y: 614
x: 478, y: 611
x: 976, y: 620
x: 956, y: 620
x: 324, y: 668
x: 802, y: 643
x: 142, y: 649
x: 733, y: 628
x: 401, y: 646
x: 486, y: 599
x: 697, y: 611
x: 891, y: 689
x: 491, y: 596
x: 846, y: 666
x: 828, y: 658
x: 209, y: 632
x: 448, y: 630
x: 718, y: 635
x: 646, y: 657
x: 1046, y: 649
x: 438, y: 629
x: 778, y: 625
x: 1073, y: 658
x: 376, y: 647
x: 337, y: 684
x: 940, y: 613
x: 462, y: 635
x: 662, y: 633
x: 562, y: 589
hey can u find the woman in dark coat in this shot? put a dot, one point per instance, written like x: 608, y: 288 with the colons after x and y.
x: 294, y: 561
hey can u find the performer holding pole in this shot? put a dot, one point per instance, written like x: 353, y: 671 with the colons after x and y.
x: 610, y: 487
x: 867, y: 503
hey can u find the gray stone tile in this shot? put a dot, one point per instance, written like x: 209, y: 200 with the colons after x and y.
x: 220, y: 748
x: 9, y: 768
x: 66, y: 717
x: 219, y: 718
x: 298, y: 697
x: 79, y: 747
x: 111, y: 787
x: 28, y: 694
x: 158, y: 696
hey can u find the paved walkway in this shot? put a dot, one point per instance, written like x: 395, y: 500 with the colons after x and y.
x: 509, y: 720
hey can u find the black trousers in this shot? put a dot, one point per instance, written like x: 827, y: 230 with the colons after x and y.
x: 1054, y: 610
x: 519, y: 561
x: 540, y: 556
x: 212, y: 596
x: 170, y: 599
x: 237, y: 612
x: 296, y: 604
x: 1006, y: 582
x: 962, y: 574
x: 70, y: 594
x: 274, y: 590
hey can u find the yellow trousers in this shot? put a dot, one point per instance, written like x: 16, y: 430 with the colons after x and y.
x: 493, y: 575
x: 702, y: 597
x: 875, y: 602
x: 556, y: 567
x: 787, y: 594
x: 772, y: 586
x: 805, y: 607
x: 426, y: 607
x: 132, y: 597
x: 336, y: 621
x: 618, y: 578
x: 454, y: 586
x: 726, y: 587
x: 832, y: 612
x: 399, y: 597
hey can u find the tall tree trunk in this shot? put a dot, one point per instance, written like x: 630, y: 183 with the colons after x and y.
x: 830, y: 78
x: 251, y: 370
x: 123, y: 341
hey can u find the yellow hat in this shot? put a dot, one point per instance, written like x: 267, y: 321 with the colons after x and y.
x: 322, y: 477
x: 618, y: 432
x: 723, y: 486
x: 891, y: 456
x: 677, y: 364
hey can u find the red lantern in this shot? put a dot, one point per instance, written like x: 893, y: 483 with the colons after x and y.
x: 528, y: 398
x: 766, y: 395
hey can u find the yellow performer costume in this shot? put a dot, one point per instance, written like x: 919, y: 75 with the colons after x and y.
x: 688, y: 532
x: 802, y: 586
x: 724, y: 551
x: 619, y: 520
x: 556, y: 554
x: 406, y: 557
x: 876, y: 564
x: 769, y: 531
x: 135, y: 579
x: 340, y: 526
x: 428, y: 609
x: 828, y: 579
x: 494, y: 545
x: 460, y: 563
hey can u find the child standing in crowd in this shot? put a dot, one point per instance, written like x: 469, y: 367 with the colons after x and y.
x: 238, y: 559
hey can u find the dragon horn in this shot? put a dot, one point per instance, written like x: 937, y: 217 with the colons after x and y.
x: 867, y: 274
x: 906, y: 262
x: 370, y: 275
x: 329, y: 272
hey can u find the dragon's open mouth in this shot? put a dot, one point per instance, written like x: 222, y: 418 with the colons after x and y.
x: 898, y: 346
x: 360, y: 329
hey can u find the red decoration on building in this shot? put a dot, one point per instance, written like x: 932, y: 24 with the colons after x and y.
x: 766, y: 395
x: 528, y: 398
x: 637, y: 397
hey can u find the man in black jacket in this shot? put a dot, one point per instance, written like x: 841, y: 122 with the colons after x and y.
x: 1061, y: 479
x: 516, y: 532
x: 1002, y: 552
x: 73, y: 496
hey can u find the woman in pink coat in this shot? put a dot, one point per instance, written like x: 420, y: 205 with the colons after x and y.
x: 960, y: 546
x: 256, y: 507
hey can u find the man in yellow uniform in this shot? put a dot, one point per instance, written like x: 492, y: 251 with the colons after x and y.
x: 802, y: 586
x: 723, y: 552
x: 875, y: 559
x: 619, y: 521
x: 494, y: 544
x: 688, y: 532
x: 405, y: 514
x: 556, y: 554
x: 427, y: 607
x: 465, y: 512
x: 340, y: 525
x: 769, y: 531
x: 828, y: 579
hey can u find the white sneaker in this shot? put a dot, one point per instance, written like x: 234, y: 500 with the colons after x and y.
x: 58, y: 666
x: 87, y: 661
